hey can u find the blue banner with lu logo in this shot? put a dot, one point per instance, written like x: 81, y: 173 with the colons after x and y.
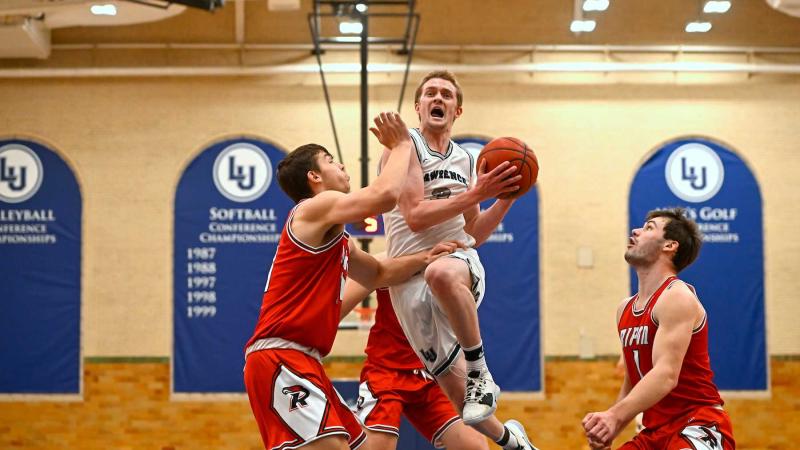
x: 509, y: 315
x: 40, y: 271
x: 722, y: 196
x: 229, y: 213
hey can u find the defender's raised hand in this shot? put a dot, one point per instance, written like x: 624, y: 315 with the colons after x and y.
x: 390, y: 130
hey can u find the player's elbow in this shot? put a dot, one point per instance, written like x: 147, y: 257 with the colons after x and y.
x: 386, y: 198
x: 670, y: 378
x: 415, y: 224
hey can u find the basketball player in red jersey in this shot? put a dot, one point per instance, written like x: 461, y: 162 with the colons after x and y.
x: 394, y: 382
x: 664, y: 335
x: 292, y: 399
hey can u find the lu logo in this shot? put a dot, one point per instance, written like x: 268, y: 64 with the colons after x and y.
x: 692, y: 177
x: 429, y: 355
x: 15, y: 182
x: 237, y: 174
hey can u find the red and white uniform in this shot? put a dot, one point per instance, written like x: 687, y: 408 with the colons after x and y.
x: 292, y: 399
x: 692, y: 411
x: 394, y: 382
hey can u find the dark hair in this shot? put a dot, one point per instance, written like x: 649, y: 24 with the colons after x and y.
x: 684, y: 231
x: 293, y: 170
x: 444, y: 75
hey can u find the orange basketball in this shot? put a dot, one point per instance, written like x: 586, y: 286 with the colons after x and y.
x: 518, y: 154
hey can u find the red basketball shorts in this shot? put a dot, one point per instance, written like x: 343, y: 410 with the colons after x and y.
x: 294, y: 402
x: 706, y: 428
x: 386, y: 394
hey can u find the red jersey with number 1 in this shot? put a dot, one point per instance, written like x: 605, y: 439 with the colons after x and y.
x: 637, y: 332
x: 387, y: 345
x: 302, y: 299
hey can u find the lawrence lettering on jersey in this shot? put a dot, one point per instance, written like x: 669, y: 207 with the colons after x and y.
x: 637, y: 332
x: 444, y: 175
x: 302, y: 299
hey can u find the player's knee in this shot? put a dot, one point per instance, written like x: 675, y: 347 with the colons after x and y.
x: 441, y: 279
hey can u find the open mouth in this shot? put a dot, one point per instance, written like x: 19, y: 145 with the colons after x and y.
x: 631, y: 241
x: 437, y: 112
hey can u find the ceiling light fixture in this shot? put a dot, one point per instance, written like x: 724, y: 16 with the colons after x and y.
x: 351, y: 27
x: 716, y: 6
x: 361, y: 7
x: 698, y: 27
x: 104, y: 10
x: 595, y: 5
x: 579, y: 24
x: 582, y: 26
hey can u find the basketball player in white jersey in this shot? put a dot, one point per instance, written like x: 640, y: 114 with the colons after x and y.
x: 438, y: 309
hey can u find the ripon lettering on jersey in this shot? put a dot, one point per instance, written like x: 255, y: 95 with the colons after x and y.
x: 634, y: 336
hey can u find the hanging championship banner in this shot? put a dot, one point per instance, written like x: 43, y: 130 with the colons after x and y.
x: 40, y: 271
x: 229, y: 213
x: 511, y: 259
x: 722, y: 196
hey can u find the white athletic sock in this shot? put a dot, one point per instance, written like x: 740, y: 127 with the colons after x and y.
x: 474, y: 358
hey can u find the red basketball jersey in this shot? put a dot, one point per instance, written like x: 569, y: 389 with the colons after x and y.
x: 387, y: 345
x: 302, y: 299
x: 637, y: 332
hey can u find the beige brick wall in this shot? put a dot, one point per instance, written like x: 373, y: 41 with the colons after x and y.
x: 127, y: 406
x: 129, y: 139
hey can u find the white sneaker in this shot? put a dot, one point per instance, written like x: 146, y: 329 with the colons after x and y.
x: 518, y: 431
x: 480, y: 399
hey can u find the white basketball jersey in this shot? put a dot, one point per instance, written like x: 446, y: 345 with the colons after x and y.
x: 444, y: 175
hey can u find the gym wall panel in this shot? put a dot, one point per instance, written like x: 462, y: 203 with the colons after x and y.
x: 132, y: 137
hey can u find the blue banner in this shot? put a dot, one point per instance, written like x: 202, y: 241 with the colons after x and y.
x: 229, y: 213
x: 511, y: 259
x: 40, y: 271
x: 722, y: 195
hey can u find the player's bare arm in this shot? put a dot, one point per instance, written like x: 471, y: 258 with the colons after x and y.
x: 626, y: 381
x: 372, y: 274
x: 421, y: 214
x: 480, y: 224
x: 677, y: 314
x: 355, y: 292
x: 315, y: 217
x: 352, y: 295
x: 624, y: 389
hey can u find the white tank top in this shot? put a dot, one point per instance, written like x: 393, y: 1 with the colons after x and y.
x: 444, y: 175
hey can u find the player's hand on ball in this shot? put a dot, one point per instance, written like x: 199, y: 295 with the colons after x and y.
x: 443, y: 248
x: 500, y: 180
x: 390, y: 130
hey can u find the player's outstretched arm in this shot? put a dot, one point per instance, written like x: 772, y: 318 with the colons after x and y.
x: 421, y: 214
x: 372, y: 274
x: 676, y: 313
x: 594, y: 442
x: 333, y: 207
x: 480, y: 224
